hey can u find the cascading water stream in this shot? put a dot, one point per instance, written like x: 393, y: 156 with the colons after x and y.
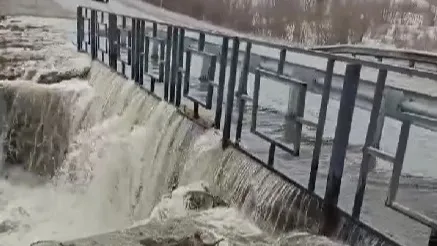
x: 125, y: 154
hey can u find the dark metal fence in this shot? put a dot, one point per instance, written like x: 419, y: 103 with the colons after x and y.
x: 152, y: 58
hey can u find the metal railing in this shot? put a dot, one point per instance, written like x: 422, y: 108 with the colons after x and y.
x: 409, y: 100
x: 128, y: 44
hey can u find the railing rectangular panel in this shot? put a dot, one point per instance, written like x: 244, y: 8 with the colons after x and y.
x: 102, y: 33
x: 209, y: 64
x: 151, y: 59
x: 394, y: 181
x: 398, y: 162
x: 370, y: 141
x: 300, y: 88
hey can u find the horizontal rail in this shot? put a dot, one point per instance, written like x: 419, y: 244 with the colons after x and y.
x: 281, y: 78
x: 399, y: 54
x: 413, y: 214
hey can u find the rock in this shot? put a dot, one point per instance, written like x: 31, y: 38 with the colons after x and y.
x: 10, y: 73
x: 29, y: 74
x: 175, y: 232
x: 198, y: 200
x: 7, y: 225
x: 202, y: 200
x: 191, y: 240
x: 50, y: 243
x: 37, y: 124
x: 52, y: 77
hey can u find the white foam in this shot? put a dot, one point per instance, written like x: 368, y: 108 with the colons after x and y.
x: 119, y: 157
x: 124, y: 150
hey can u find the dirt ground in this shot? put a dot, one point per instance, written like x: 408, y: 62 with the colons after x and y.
x: 43, y: 8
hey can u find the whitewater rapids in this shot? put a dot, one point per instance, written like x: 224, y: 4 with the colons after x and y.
x: 125, y: 152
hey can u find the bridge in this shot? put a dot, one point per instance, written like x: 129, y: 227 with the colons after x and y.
x: 160, y: 57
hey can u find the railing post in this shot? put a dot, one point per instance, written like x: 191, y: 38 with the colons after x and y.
x: 242, y: 89
x: 114, y: 41
x: 242, y: 86
x: 281, y: 62
x: 231, y: 90
x: 121, y: 41
x: 221, y: 82
x: 203, y: 79
x: 201, y: 42
x: 154, y: 55
x: 93, y: 35
x: 79, y: 28
x: 133, y: 48
x: 296, y: 106
x: 174, y: 64
x: 321, y: 123
x: 370, y: 139
x: 88, y: 21
x: 341, y: 141
x: 433, y: 238
x: 137, y: 50
x: 167, y: 67
x: 181, y: 50
x: 99, y: 19
x: 378, y: 131
x: 141, y: 52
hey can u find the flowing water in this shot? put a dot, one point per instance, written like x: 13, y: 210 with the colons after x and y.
x: 124, y: 154
x: 117, y: 155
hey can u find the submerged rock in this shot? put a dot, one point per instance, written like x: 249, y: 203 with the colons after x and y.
x: 202, y: 199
